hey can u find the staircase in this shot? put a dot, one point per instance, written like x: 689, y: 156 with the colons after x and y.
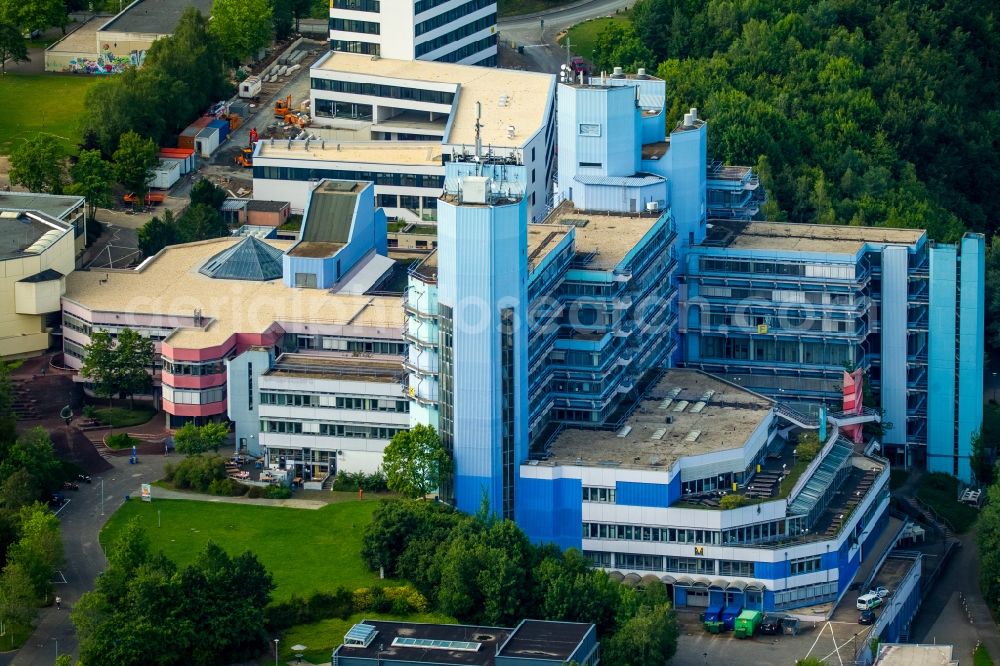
x: 24, y: 405
x: 928, y: 516
x: 328, y: 482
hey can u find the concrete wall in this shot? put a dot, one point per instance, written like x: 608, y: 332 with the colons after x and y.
x: 895, y: 287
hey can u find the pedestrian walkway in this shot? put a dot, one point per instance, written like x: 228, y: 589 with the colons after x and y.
x: 165, y: 493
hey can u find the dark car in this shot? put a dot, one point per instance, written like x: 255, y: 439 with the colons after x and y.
x: 866, y: 617
x: 57, y: 500
x: 771, y: 625
x: 69, y: 485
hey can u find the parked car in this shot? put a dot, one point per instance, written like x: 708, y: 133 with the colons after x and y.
x: 85, y: 478
x: 869, y: 601
x: 56, y: 500
x: 866, y: 617
x: 771, y: 625
x: 879, y: 591
x: 69, y: 485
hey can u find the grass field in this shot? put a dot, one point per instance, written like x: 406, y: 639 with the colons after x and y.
x: 322, y: 637
x: 47, y: 103
x: 123, y: 417
x: 305, y: 550
x: 939, y: 492
x: 583, y: 36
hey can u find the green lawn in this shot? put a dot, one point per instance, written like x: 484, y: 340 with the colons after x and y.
x: 322, y: 637
x: 123, y: 417
x: 305, y: 550
x: 583, y: 36
x: 939, y: 492
x: 47, y: 103
x: 981, y: 656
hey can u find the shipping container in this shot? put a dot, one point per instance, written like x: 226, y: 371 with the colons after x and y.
x: 166, y: 174
x: 250, y: 87
x: 223, y: 127
x: 207, y: 141
x: 186, y: 155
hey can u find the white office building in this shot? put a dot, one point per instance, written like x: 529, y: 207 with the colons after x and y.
x: 460, y: 31
x: 406, y: 120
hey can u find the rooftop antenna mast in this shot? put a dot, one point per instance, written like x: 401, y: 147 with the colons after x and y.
x: 479, y: 139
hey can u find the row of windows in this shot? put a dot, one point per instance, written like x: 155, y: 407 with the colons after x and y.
x: 194, y: 369
x: 328, y: 429
x: 598, y: 494
x: 838, y: 271
x: 328, y: 108
x: 778, y: 295
x: 804, y: 565
x: 301, y: 342
x: 690, y: 565
x: 383, y: 90
x: 354, y: 46
x: 73, y: 349
x: 193, y: 397
x: 444, y: 18
x: 742, y: 349
x: 406, y: 201
x: 76, y: 324
x: 333, y: 401
x: 817, y: 592
x: 348, y: 25
x: 356, y: 5
x: 472, y: 49
x: 655, y: 534
x: 379, y: 178
x: 455, y: 35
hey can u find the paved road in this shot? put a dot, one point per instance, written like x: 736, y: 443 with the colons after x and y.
x: 542, y: 54
x: 81, y: 524
x: 943, y: 619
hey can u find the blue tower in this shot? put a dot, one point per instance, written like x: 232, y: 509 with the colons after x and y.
x: 482, y: 301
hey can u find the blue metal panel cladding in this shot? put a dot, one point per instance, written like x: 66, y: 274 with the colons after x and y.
x: 551, y: 511
x: 972, y: 287
x: 941, y: 360
x: 895, y: 292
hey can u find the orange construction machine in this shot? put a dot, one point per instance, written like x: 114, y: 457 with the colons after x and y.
x: 245, y: 158
x: 283, y: 107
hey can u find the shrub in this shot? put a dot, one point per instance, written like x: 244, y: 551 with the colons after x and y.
x: 326, y: 605
x: 89, y: 411
x: 353, y: 481
x: 806, y: 452
x: 732, y: 501
x: 277, y: 492
x: 197, y: 472
x: 281, y: 615
x: 404, y: 599
x: 255, y: 492
x: 120, y: 440
x: 226, y: 487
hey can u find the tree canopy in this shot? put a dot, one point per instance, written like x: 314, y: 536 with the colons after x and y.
x: 92, y: 178
x: 415, y: 462
x: 242, y: 27
x: 146, y: 609
x: 134, y: 162
x: 118, y: 365
x: 38, y: 163
x: 190, y: 438
x: 483, y: 570
x: 13, y: 46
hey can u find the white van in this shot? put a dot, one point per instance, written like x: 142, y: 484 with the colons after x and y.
x: 869, y: 601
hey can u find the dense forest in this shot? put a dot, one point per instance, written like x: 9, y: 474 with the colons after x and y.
x: 866, y: 112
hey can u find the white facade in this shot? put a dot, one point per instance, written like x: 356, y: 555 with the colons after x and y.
x: 339, y: 424
x: 462, y: 31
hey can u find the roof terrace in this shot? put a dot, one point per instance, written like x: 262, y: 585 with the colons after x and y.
x: 604, y: 239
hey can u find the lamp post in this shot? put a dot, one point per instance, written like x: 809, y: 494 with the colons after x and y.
x: 276, y: 651
x: 994, y: 387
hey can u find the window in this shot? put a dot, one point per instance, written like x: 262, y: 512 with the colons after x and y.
x: 346, y: 25
x: 735, y: 568
x: 444, y: 18
x: 803, y: 565
x: 365, y: 48
x: 599, y: 495
x: 590, y: 129
x: 356, y: 5
x: 594, y: 165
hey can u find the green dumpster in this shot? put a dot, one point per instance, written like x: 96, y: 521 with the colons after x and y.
x: 746, y: 624
x: 713, y: 627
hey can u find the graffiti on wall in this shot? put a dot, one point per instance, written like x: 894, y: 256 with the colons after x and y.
x: 106, y: 63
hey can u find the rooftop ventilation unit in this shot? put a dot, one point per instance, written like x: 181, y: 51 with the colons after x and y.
x: 618, y: 73
x: 692, y: 436
x: 697, y: 407
x: 680, y: 406
x: 658, y: 434
x: 625, y: 430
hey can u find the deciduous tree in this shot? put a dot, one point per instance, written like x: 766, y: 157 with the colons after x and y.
x: 158, y: 233
x: 134, y: 161
x: 192, y: 439
x: 92, y: 179
x: 38, y: 163
x: 13, y: 46
x: 415, y: 462
x: 647, y: 639
x: 200, y: 222
x: 243, y: 27
x: 118, y: 367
